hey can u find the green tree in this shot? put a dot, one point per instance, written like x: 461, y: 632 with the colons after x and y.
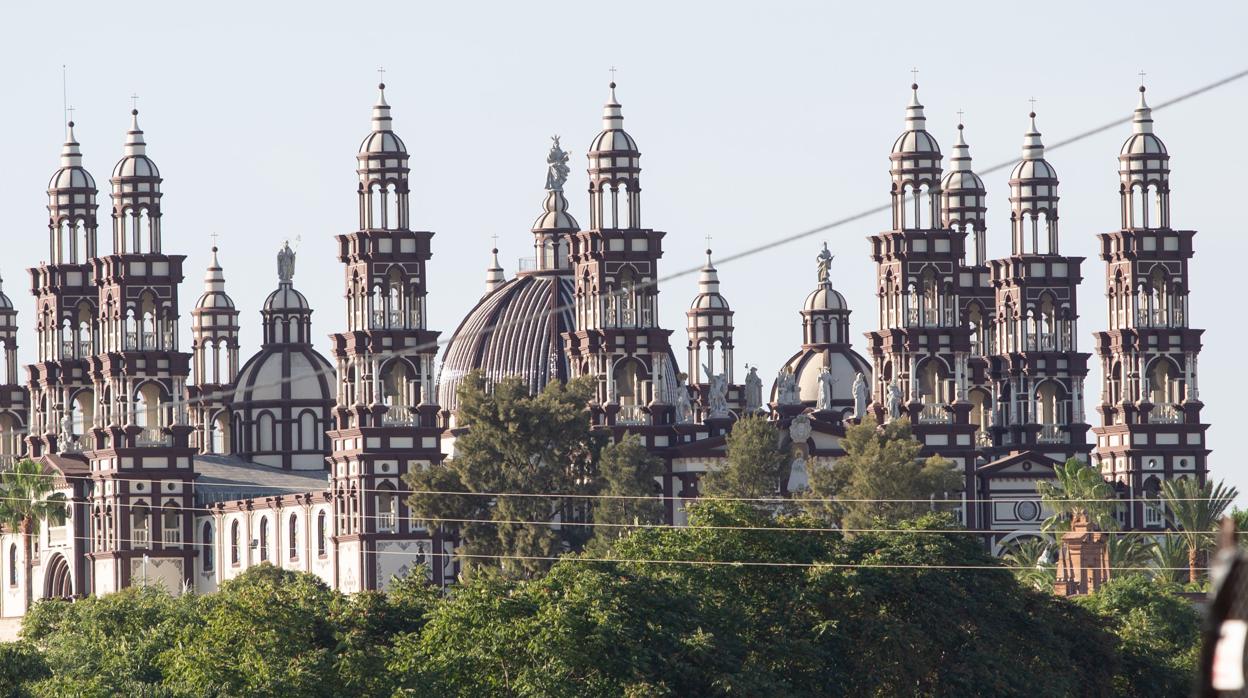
x: 26, y: 498
x: 267, y: 632
x: 627, y: 473
x: 1029, y: 557
x: 880, y: 477
x: 1196, y: 509
x: 755, y: 462
x: 21, y: 665
x: 1158, y: 635
x: 514, y: 443
x: 1128, y: 552
x: 1169, y: 558
x: 1077, y: 488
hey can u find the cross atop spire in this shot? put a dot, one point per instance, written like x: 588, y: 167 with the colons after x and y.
x: 1142, y: 74
x: 381, y: 73
x: 214, y: 240
x: 1032, y: 101
x: 134, y: 100
x: 914, y: 74
x: 612, y: 69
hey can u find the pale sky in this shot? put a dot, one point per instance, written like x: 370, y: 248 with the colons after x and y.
x: 755, y: 121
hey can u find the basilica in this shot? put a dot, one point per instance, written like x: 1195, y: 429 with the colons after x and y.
x: 184, y: 468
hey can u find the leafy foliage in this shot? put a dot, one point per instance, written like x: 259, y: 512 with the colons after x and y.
x: 1029, y: 557
x: 627, y: 471
x: 1157, y: 631
x: 26, y: 498
x: 515, y: 442
x: 756, y: 462
x: 880, y: 463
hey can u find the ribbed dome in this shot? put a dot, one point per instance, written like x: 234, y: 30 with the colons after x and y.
x: 555, y: 214
x: 961, y: 178
x: 134, y: 162
x: 1143, y: 141
x: 279, y: 368
x: 5, y: 302
x: 1033, y: 165
x: 825, y: 298
x: 613, y: 149
x: 286, y: 297
x: 844, y: 365
x: 512, y: 332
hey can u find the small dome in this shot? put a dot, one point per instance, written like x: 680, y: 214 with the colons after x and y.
x: 71, y: 174
x: 511, y: 332
x: 134, y: 162
x: 808, y: 364
x: 1033, y: 169
x: 613, y: 149
x: 285, y: 297
x: 5, y: 302
x: 825, y: 298
x: 382, y: 139
x: 311, y: 376
x: 915, y: 140
x: 709, y: 297
x: 214, y: 296
x: 961, y: 178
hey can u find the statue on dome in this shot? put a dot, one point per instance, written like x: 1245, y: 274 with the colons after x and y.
x: 557, y: 166
x: 861, y: 393
x: 285, y: 263
x: 824, y: 265
x: 753, y: 390
x: 786, y: 387
x: 826, y: 382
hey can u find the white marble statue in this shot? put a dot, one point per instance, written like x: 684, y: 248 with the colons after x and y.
x: 861, y: 395
x: 826, y: 384
x: 557, y: 162
x: 786, y: 388
x: 717, y: 393
x: 684, y: 408
x: 753, y: 390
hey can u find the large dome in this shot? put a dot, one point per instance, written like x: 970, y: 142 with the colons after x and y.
x: 844, y: 365
x: 512, y: 332
x: 285, y: 372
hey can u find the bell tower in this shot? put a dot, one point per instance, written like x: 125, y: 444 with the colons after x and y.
x: 139, y: 451
x: 386, y: 419
x: 1151, y: 429
x: 617, y: 338
x: 67, y: 317
x: 1037, y: 369
x: 214, y: 358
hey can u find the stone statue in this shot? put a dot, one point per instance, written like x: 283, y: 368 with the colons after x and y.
x: 892, y: 401
x: 786, y: 387
x: 826, y: 383
x: 824, y: 265
x: 753, y: 390
x: 557, y: 166
x: 717, y: 393
x: 684, y: 409
x: 286, y: 263
x: 861, y: 394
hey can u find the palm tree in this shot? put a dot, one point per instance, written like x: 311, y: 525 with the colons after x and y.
x: 1195, y: 510
x: 1129, y: 552
x: 26, y: 498
x: 1169, y: 556
x: 1029, y: 558
x: 1077, y: 488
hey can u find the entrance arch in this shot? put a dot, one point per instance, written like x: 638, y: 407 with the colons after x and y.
x: 58, y: 581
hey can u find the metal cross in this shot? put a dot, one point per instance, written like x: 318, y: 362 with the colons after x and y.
x: 494, y: 237
x: 1033, y: 103
x: 134, y: 101
x: 69, y: 111
x: 708, y: 241
x: 959, y: 117
x: 381, y: 73
x: 914, y: 75
x: 214, y: 239
x: 612, y: 73
x: 1142, y: 74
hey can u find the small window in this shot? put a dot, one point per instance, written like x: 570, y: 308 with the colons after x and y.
x: 207, y: 543
x: 13, y: 565
x: 320, y: 534
x: 294, y: 537
x: 264, y: 539
x: 234, y: 557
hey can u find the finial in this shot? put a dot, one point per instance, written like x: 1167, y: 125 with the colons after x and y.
x: 381, y: 76
x: 914, y: 78
x: 960, y: 112
x: 613, y: 76
x: 134, y: 103
x: 1142, y: 74
x: 214, y: 241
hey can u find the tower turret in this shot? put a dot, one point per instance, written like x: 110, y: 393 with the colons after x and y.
x: 214, y: 358
x: 1033, y: 198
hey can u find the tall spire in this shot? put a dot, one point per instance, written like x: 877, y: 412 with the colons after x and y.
x: 214, y: 277
x: 708, y: 276
x: 612, y: 113
x: 71, y: 156
x: 960, y: 159
x: 915, y: 120
x: 1143, y: 120
x: 1033, y: 147
x: 381, y: 110
x: 134, y: 137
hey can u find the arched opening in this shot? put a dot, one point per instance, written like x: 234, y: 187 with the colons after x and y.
x: 292, y: 532
x: 220, y: 438
x: 981, y: 406
x: 140, y: 526
x: 58, y: 581
x: 397, y: 385
x: 10, y: 439
x: 1046, y: 323
x: 1154, y: 513
x: 309, y: 432
x: 935, y: 391
x: 235, y: 552
x: 387, y: 508
x: 148, y: 412
x: 320, y: 535
x: 1165, y: 392
x: 171, y: 524
x: 1050, y: 410
x: 264, y: 538
x: 13, y: 564
x: 266, y: 432
x: 207, y: 546
x: 628, y: 383
x: 975, y: 321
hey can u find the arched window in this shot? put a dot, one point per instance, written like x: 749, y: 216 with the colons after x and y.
x: 207, y: 545
x: 13, y: 565
x: 264, y: 538
x: 170, y: 524
x: 293, y: 533
x: 265, y: 428
x: 310, y: 439
x: 140, y: 527
x: 387, y: 508
x: 234, y: 551
x: 320, y: 534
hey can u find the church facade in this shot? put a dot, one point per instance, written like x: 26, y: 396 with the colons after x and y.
x: 185, y: 468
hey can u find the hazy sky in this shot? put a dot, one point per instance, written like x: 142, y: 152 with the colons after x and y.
x: 754, y: 120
